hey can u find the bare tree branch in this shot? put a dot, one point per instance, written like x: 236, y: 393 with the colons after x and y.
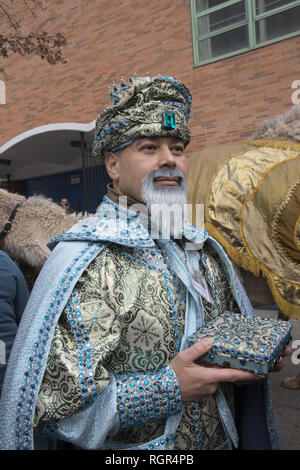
x: 46, y: 46
x: 42, y: 44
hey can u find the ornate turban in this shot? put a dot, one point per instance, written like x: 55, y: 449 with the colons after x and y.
x: 143, y: 107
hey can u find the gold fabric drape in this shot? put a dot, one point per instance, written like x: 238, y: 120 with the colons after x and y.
x: 251, y: 193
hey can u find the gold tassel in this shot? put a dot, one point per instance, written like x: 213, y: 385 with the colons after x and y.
x: 290, y: 310
x: 242, y: 259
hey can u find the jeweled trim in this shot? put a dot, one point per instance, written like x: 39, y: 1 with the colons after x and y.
x: 147, y: 397
x: 111, y: 129
x: 162, y: 442
x: 32, y: 377
x: 182, y: 90
x: 88, y: 236
x: 120, y: 225
x: 49, y: 430
x: 242, y: 338
x: 196, y: 419
x: 86, y: 373
x: 174, y: 103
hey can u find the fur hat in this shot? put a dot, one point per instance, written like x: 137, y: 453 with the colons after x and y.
x: 143, y: 107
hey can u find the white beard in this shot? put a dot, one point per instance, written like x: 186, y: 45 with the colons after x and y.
x: 165, y: 204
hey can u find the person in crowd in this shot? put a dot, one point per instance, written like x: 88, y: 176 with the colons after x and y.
x: 292, y: 382
x: 64, y: 203
x: 14, y: 296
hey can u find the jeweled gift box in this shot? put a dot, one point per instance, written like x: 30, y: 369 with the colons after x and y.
x: 244, y: 342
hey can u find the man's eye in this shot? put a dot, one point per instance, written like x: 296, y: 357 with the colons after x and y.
x: 178, y: 149
x: 148, y: 147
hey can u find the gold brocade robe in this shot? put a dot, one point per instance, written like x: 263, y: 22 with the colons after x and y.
x: 124, y: 301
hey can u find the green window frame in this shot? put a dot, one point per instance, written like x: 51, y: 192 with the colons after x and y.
x: 245, y: 30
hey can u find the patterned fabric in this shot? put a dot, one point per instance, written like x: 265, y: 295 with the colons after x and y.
x: 120, y: 320
x: 145, y: 107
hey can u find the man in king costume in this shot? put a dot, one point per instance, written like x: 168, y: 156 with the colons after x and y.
x: 101, y: 357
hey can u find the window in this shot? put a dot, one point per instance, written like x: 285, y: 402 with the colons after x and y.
x: 224, y: 28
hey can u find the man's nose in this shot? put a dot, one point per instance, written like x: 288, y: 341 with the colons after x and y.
x: 166, y: 158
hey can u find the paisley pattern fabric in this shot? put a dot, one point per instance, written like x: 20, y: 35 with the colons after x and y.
x: 125, y: 319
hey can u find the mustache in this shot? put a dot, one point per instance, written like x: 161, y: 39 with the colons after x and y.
x: 164, y: 172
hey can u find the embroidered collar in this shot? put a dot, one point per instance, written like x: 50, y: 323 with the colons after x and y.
x: 116, y: 224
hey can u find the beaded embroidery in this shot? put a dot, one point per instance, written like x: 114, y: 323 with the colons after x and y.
x: 154, y: 260
x: 116, y: 90
x: 161, y: 442
x: 174, y: 103
x: 244, y: 341
x: 114, y: 128
x: 122, y: 226
x: 147, y: 397
x: 32, y: 376
x: 86, y: 372
x: 182, y: 90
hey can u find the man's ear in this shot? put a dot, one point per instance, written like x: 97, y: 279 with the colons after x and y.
x: 112, y: 165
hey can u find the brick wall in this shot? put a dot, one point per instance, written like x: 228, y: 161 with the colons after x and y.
x: 109, y: 38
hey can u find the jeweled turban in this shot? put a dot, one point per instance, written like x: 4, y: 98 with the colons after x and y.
x: 144, y: 107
